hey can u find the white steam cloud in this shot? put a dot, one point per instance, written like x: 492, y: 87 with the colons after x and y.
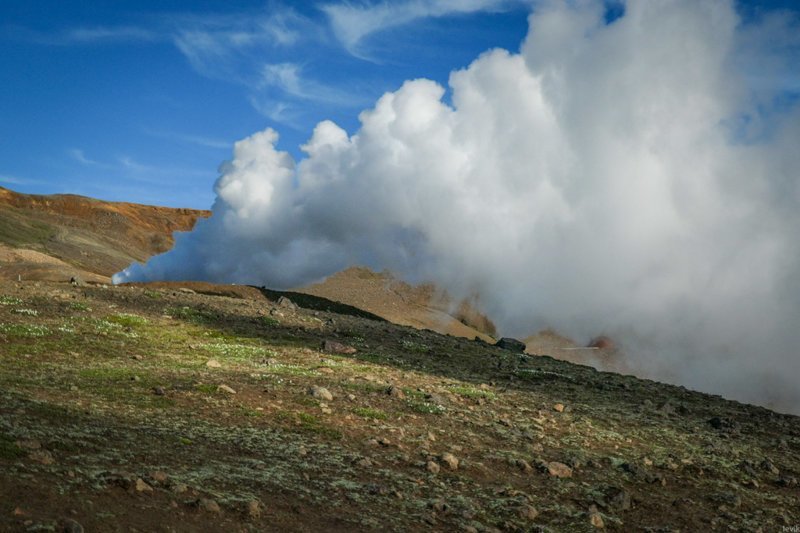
x: 626, y: 179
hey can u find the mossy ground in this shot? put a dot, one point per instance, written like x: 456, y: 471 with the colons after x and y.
x: 101, y: 386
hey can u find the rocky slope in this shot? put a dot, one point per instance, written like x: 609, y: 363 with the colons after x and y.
x: 59, y: 236
x: 158, y: 408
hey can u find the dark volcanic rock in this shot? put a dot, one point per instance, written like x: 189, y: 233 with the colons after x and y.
x: 723, y: 424
x: 507, y: 343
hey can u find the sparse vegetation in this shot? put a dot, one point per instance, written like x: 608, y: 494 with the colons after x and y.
x: 270, y: 321
x: 414, y: 346
x: 472, y: 392
x: 369, y: 412
x: 235, y: 412
x: 127, y: 320
x: 190, y: 314
x: 79, y: 306
x: 24, y: 330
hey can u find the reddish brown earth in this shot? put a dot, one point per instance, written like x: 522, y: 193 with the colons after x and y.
x: 58, y: 236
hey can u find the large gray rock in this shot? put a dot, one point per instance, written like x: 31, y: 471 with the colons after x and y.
x: 507, y: 343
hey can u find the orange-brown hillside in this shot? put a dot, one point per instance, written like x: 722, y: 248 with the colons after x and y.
x: 57, y: 236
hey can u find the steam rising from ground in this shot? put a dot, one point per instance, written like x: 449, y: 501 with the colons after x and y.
x: 617, y: 178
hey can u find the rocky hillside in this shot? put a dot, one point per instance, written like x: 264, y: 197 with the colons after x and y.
x: 203, y: 408
x: 59, y: 236
x: 420, y: 306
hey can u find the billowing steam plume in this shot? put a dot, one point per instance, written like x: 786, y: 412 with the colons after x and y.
x: 637, y: 178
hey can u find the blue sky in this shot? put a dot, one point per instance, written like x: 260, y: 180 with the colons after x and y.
x: 141, y: 100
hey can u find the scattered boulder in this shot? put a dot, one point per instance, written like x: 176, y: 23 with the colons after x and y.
x: 433, y: 467
x: 142, y: 486
x: 767, y: 466
x: 321, y: 393
x: 666, y: 409
x: 595, y: 518
x: 42, y: 457
x: 559, y: 407
x: 556, y: 469
x: 253, y: 509
x: 76, y: 281
x: 450, y: 460
x: 226, y: 389
x: 213, y: 363
x: 159, y: 477
x: 186, y: 290
x: 514, y: 345
x: 286, y: 303
x: 528, y: 512
x: 208, y: 505
x: 395, y: 392
x: 436, y: 399
x: 29, y: 444
x: 71, y: 526
x: 619, y: 498
x: 331, y: 346
x: 524, y: 465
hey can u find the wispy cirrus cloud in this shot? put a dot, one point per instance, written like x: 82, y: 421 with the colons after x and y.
x: 86, y: 35
x: 78, y: 155
x: 232, y: 46
x: 16, y: 180
x: 186, y: 138
x: 129, y: 167
x: 352, y: 23
x: 288, y: 78
x: 111, y: 34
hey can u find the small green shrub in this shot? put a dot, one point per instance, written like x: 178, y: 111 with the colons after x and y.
x: 79, y: 306
x: 368, y: 412
x: 270, y: 321
x: 127, y: 320
x: 414, y: 346
x: 472, y: 392
x: 9, y: 450
x: 423, y: 407
x: 24, y: 330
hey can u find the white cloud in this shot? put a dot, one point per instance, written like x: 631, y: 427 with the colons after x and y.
x: 186, y: 138
x: 352, y: 23
x: 79, y: 156
x: 288, y: 78
x: 15, y: 180
x: 109, y: 34
x: 221, y: 46
x: 590, y: 183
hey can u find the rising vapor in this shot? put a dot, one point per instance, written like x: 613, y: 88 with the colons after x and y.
x: 637, y: 178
